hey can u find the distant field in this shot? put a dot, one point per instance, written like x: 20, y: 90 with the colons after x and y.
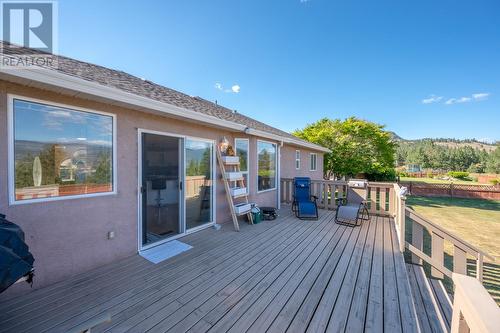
x: 475, y: 220
x: 439, y: 181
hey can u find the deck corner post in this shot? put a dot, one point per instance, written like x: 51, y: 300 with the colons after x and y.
x: 479, y: 267
x: 402, y: 224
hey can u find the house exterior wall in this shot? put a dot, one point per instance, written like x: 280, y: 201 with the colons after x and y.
x: 69, y: 236
x: 288, y: 169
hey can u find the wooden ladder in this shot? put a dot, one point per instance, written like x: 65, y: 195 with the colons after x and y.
x: 234, y: 167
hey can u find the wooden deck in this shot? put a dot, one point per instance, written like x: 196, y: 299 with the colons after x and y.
x: 283, y: 275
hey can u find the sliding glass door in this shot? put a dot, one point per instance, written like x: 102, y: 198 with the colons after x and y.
x: 199, y: 182
x: 176, y: 186
x: 161, y: 188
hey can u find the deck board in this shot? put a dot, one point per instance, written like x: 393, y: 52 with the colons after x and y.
x: 276, y: 276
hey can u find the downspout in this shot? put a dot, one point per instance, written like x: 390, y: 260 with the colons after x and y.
x: 278, y: 180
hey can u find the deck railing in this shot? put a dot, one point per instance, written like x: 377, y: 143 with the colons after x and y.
x: 380, y: 195
x: 473, y: 311
x: 387, y: 199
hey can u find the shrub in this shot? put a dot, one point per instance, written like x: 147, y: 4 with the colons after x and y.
x: 403, y: 174
x: 387, y: 175
x: 495, y: 181
x: 459, y: 174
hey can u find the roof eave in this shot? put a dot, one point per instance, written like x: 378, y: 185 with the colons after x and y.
x: 69, y: 82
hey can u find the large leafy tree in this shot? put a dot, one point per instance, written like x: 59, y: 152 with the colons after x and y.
x: 357, y: 146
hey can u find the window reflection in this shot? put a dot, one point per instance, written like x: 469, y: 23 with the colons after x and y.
x: 198, y: 189
x: 266, y: 152
x: 61, y: 152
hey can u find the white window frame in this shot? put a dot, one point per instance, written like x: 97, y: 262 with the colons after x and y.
x: 248, y: 160
x: 11, y: 161
x: 315, y: 162
x: 297, y: 159
x: 275, y: 166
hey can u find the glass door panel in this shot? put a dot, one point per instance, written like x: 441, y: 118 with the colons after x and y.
x: 160, y: 187
x: 199, y: 182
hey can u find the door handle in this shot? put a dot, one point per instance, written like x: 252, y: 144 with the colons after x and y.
x: 180, y: 185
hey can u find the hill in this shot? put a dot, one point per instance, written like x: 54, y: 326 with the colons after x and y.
x: 450, y: 142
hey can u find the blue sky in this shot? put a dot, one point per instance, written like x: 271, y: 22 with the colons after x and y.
x: 422, y: 68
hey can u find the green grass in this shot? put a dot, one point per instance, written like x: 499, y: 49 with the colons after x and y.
x: 475, y: 220
x: 439, y: 181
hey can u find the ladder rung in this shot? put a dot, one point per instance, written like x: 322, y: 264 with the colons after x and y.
x: 231, y: 160
x: 233, y: 176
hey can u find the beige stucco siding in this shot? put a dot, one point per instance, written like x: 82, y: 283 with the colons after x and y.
x: 288, y: 169
x: 69, y: 236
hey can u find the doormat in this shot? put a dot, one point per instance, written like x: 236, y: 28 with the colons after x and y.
x: 164, y: 251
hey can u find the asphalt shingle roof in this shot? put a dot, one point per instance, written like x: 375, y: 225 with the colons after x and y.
x: 141, y: 87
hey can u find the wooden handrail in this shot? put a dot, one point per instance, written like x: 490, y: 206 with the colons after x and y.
x: 473, y: 303
x: 461, y: 248
x: 438, y: 230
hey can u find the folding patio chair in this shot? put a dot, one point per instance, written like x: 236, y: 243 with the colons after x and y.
x: 353, y: 209
x: 304, y: 204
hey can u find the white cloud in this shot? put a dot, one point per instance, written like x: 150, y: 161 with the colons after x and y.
x: 234, y: 89
x: 456, y: 100
x: 432, y: 99
x: 480, y: 96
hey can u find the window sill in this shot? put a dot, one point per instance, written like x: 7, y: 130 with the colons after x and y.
x: 69, y: 197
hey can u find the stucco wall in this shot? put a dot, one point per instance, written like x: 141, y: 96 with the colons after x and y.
x: 288, y: 163
x: 70, y: 236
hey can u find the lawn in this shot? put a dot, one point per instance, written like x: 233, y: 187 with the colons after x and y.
x: 475, y: 220
x: 439, y: 181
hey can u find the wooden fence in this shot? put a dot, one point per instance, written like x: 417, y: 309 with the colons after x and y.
x: 451, y: 190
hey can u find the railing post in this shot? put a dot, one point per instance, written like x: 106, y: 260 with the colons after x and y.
x: 417, y: 240
x: 474, y: 310
x: 459, y: 260
x: 437, y: 254
x: 402, y: 223
x: 479, y: 267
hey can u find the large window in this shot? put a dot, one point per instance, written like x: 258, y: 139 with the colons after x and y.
x: 266, y: 178
x: 241, y: 149
x: 60, y: 152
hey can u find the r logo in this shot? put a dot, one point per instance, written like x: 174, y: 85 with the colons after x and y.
x: 29, y: 24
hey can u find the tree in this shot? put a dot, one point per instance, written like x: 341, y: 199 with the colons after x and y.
x: 493, y: 162
x: 357, y: 146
